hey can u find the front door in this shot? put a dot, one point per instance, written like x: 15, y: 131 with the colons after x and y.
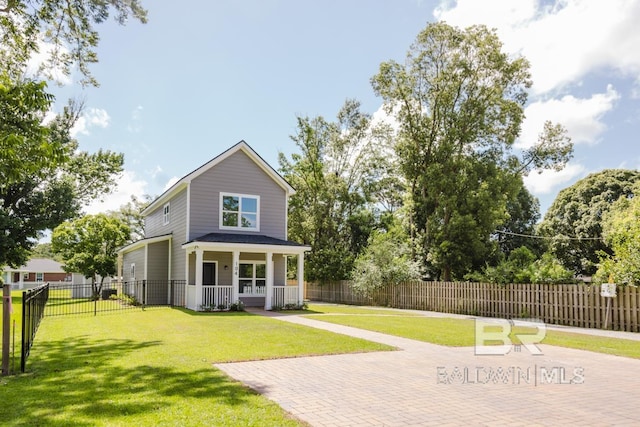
x: 209, y: 273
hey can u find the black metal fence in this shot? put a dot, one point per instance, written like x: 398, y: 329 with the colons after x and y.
x: 33, y: 308
x: 63, y: 299
x: 69, y: 298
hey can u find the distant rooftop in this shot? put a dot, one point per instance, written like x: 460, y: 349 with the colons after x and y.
x: 39, y: 265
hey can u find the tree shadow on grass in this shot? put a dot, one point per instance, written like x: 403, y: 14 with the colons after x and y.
x: 80, y: 381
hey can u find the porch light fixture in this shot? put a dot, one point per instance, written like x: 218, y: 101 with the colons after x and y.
x: 226, y: 267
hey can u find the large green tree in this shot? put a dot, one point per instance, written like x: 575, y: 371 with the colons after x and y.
x: 573, y: 222
x: 131, y: 214
x: 518, y: 229
x: 44, y: 177
x: 385, y: 261
x: 89, y: 245
x: 63, y: 32
x: 333, y: 175
x: 621, y: 231
x: 459, y: 103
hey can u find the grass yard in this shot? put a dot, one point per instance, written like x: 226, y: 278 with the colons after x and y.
x: 16, y: 317
x: 154, y: 367
x: 16, y: 301
x: 352, y: 309
x: 461, y: 332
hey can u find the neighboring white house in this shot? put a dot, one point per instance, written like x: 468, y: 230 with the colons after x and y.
x: 222, y: 231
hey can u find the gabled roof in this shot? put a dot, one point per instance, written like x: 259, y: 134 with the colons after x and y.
x: 39, y: 265
x: 240, y: 146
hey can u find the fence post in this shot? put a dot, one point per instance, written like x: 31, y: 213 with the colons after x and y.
x: 144, y: 293
x: 6, y: 320
x: 171, y: 302
x: 24, y: 343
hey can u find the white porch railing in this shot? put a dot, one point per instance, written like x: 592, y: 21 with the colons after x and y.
x: 283, y: 295
x: 249, y: 290
x: 216, y: 296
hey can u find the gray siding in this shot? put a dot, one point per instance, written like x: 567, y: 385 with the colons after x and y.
x: 135, y: 257
x: 252, y: 301
x: 178, y: 218
x: 223, y: 258
x: 279, y: 270
x: 236, y: 174
x: 158, y: 261
x: 177, y: 227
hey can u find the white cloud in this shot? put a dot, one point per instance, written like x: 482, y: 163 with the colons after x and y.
x: 582, y: 117
x: 549, y: 181
x: 382, y: 117
x: 38, y: 60
x: 564, y: 40
x: 156, y: 171
x: 170, y: 183
x: 93, y: 117
x: 136, y: 116
x: 128, y: 185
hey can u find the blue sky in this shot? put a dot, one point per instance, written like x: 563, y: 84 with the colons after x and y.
x: 203, y: 75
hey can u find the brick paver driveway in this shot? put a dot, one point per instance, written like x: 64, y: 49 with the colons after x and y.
x: 423, y: 384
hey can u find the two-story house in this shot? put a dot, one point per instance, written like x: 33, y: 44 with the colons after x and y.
x: 222, y: 231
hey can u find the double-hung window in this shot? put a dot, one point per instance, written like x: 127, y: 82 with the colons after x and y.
x: 252, y: 277
x: 239, y: 212
x: 166, y: 214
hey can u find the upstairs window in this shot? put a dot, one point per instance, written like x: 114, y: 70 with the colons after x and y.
x: 239, y: 211
x: 166, y: 214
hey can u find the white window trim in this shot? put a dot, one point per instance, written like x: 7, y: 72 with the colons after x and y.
x: 166, y: 213
x: 217, y: 272
x: 41, y: 279
x: 132, y: 271
x: 254, y: 278
x: 240, y: 196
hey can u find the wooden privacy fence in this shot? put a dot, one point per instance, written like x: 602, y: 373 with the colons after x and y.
x: 572, y: 305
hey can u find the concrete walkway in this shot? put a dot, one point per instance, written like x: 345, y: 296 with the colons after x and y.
x: 424, y: 384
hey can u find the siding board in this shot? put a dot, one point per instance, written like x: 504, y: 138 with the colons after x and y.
x: 236, y: 174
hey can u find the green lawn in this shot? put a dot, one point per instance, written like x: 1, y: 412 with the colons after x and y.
x: 353, y: 309
x: 16, y: 300
x: 15, y: 318
x: 154, y: 367
x: 461, y: 332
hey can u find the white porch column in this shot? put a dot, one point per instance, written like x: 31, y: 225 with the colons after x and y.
x: 301, y: 278
x: 235, y: 279
x: 187, y: 303
x: 199, y: 259
x: 269, y: 272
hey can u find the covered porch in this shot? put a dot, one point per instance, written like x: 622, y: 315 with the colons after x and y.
x: 224, y: 269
